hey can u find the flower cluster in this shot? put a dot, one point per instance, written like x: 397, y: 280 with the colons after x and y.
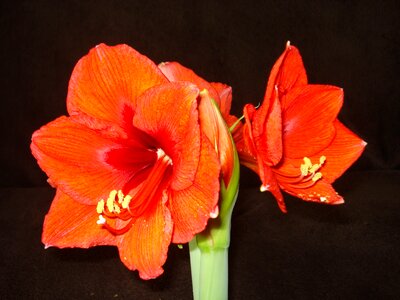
x: 140, y: 159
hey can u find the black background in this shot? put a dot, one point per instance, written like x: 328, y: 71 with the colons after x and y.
x: 314, y: 251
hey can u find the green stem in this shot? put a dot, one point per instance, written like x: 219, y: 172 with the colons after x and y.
x: 209, y: 272
x: 195, y: 264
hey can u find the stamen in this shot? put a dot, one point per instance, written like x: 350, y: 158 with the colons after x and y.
x: 125, y: 201
x: 120, y: 197
x: 110, y: 201
x: 115, y: 209
x: 100, y: 206
x: 309, y: 174
x: 308, y: 168
x: 158, y: 176
x: 317, y: 176
x: 304, y: 168
x: 126, y: 207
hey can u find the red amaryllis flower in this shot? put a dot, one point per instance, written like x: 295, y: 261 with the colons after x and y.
x: 294, y: 140
x: 131, y: 163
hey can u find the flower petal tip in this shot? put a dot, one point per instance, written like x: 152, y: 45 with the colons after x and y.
x: 215, y: 212
x: 282, y: 208
x: 340, y: 200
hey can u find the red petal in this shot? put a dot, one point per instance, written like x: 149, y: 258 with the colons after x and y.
x: 144, y: 247
x: 225, y: 96
x: 106, y: 82
x: 74, y: 157
x: 267, y: 131
x: 216, y: 130
x: 270, y: 183
x: 247, y: 132
x: 169, y: 114
x: 191, y: 207
x: 288, y: 72
x: 174, y: 71
x: 291, y: 73
x: 344, y: 150
x: 308, y: 121
x: 72, y: 224
x: 321, y: 192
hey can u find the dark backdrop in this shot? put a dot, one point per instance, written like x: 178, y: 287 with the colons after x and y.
x: 351, y: 44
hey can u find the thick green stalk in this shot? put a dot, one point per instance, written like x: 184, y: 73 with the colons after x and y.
x: 209, y: 272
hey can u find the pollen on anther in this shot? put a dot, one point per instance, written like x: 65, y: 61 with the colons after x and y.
x: 308, y: 168
x: 110, y: 200
x: 126, y: 201
x: 317, y: 176
x: 120, y: 196
x: 100, y: 206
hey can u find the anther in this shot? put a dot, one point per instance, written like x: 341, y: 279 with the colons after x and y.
x: 316, y: 176
x: 120, y: 196
x: 100, y: 206
x: 125, y: 202
x: 110, y: 200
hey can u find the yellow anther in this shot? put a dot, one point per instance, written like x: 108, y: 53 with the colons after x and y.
x: 309, y: 169
x: 304, y: 168
x: 307, y: 162
x: 126, y: 201
x: 115, y: 204
x: 317, y: 176
x: 100, y: 206
x: 314, y: 168
x: 120, y: 196
x: 110, y: 205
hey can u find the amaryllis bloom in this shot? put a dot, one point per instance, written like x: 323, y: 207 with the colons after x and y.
x: 294, y: 140
x: 131, y: 163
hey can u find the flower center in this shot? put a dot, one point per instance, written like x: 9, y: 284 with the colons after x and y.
x: 309, y: 169
x: 125, y: 209
x: 309, y: 174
